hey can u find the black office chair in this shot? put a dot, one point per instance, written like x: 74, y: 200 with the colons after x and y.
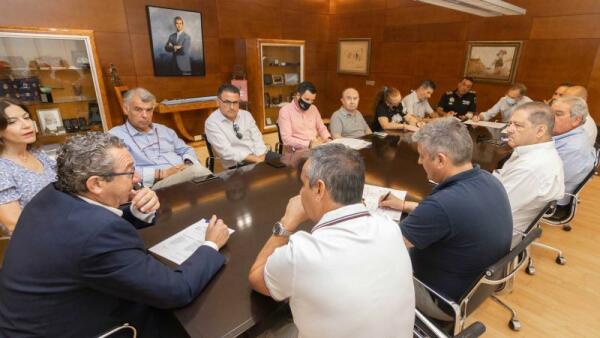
x: 279, y: 144
x: 3, y: 246
x: 424, y: 328
x: 487, y: 285
x: 113, y: 331
x: 210, y: 160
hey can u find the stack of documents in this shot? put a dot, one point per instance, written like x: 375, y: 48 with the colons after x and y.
x: 353, y: 143
x: 371, y: 195
x: 183, y: 244
x: 497, y: 125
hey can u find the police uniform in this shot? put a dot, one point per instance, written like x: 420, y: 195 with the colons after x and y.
x: 461, y: 105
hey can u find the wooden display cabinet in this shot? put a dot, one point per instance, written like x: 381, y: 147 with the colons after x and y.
x: 274, y: 69
x: 54, y: 69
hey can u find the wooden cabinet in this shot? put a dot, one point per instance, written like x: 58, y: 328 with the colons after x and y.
x: 274, y: 69
x: 56, y: 74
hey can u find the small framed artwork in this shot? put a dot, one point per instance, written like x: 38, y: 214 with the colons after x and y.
x: 291, y: 78
x: 354, y: 56
x: 493, y: 61
x: 277, y: 79
x: 50, y: 120
x: 177, y: 42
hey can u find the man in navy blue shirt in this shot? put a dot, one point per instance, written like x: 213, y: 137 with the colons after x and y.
x: 463, y: 226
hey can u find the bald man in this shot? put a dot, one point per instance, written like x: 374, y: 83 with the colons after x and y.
x: 589, y: 126
x: 348, y: 121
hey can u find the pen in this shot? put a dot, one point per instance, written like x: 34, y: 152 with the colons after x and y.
x: 386, y: 196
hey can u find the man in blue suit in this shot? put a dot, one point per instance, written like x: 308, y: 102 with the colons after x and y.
x: 76, y: 267
x: 179, y: 44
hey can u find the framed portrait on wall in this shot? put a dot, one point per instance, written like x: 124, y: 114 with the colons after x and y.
x: 176, y: 41
x: 354, y: 56
x: 493, y: 61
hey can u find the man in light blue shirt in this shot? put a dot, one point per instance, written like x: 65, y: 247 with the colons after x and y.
x: 159, y: 154
x: 507, y: 104
x: 577, y: 155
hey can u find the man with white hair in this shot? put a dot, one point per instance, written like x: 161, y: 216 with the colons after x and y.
x: 159, y: 154
x: 591, y: 130
x: 577, y: 155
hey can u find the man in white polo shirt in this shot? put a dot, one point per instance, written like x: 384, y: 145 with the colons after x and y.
x: 350, y: 276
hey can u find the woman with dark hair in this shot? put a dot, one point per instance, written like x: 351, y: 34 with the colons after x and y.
x: 23, y: 170
x: 389, y: 113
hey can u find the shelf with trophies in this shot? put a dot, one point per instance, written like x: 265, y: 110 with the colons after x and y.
x: 275, y: 68
x: 56, y: 75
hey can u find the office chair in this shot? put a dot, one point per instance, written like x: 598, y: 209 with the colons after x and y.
x: 3, y: 246
x: 210, y: 160
x: 279, y: 145
x: 494, y: 276
x: 125, y: 326
x: 424, y: 328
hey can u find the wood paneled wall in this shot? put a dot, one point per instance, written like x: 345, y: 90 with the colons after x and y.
x: 414, y: 41
x: 411, y: 42
x: 121, y: 32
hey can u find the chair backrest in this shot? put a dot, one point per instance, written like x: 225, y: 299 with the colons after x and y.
x: 279, y: 134
x: 113, y: 331
x: 3, y: 246
x: 119, y: 93
x: 210, y: 160
x: 549, y: 206
x: 498, y: 273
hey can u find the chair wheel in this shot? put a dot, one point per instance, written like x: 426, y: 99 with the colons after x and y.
x: 530, y: 270
x: 567, y: 227
x: 561, y: 260
x: 514, y: 324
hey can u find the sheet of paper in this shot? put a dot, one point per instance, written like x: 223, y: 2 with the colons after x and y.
x: 371, y: 195
x: 497, y: 125
x: 353, y: 143
x: 183, y: 244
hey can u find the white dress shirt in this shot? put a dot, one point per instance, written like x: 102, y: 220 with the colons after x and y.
x: 221, y: 134
x: 504, y: 108
x: 413, y: 106
x: 532, y: 177
x: 350, y: 277
x: 591, y: 131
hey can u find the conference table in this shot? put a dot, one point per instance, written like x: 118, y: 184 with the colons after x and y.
x: 252, y: 198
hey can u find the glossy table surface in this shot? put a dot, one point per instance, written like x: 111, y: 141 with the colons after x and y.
x: 252, y: 198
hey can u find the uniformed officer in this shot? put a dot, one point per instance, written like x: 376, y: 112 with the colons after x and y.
x: 461, y: 102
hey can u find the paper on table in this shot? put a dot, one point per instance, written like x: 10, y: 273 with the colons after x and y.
x: 353, y: 143
x: 497, y: 125
x: 371, y: 195
x: 183, y: 244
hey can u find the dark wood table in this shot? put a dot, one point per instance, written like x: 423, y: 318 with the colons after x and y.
x: 251, y: 199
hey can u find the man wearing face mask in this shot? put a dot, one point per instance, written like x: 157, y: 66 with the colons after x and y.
x: 505, y: 106
x: 300, y: 122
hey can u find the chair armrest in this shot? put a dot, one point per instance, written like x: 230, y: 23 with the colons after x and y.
x: 474, y: 330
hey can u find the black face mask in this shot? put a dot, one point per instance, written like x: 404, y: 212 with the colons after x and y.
x: 303, y: 104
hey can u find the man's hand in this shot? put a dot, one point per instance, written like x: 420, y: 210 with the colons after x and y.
x: 177, y: 47
x: 174, y: 170
x: 294, y: 214
x: 217, y: 232
x: 391, y: 202
x: 144, y: 200
x: 477, y: 117
x: 255, y: 159
x: 409, y: 127
x: 315, y: 142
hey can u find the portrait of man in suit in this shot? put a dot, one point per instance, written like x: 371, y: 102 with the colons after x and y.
x: 179, y: 44
x: 178, y: 51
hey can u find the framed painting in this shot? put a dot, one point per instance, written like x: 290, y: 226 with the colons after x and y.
x: 493, y: 61
x: 354, y: 56
x: 176, y: 41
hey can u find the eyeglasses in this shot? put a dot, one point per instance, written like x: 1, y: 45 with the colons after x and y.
x: 129, y: 173
x: 236, y: 128
x: 230, y: 103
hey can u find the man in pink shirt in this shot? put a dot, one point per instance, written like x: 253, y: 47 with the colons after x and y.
x: 300, y: 122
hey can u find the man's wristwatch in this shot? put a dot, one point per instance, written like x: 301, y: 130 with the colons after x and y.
x: 187, y: 161
x: 279, y: 230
